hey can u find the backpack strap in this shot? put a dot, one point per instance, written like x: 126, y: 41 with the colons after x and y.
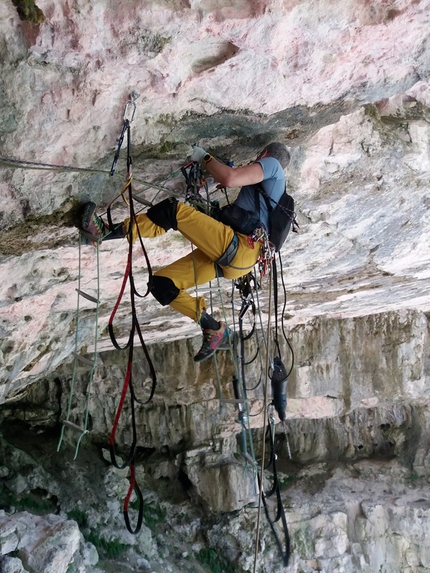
x: 268, y: 200
x: 259, y: 190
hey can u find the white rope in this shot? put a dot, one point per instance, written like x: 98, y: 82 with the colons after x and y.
x: 260, y: 496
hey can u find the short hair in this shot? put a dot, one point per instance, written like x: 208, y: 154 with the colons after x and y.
x: 279, y: 151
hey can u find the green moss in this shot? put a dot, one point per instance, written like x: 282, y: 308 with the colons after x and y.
x: 152, y: 514
x: 108, y: 549
x: 167, y: 119
x: 160, y: 151
x: 29, y: 12
x: 31, y: 502
x: 154, y: 43
x: 372, y: 111
x: 79, y: 516
x: 285, y: 481
x: 167, y: 146
x: 303, y: 541
x: 214, y: 562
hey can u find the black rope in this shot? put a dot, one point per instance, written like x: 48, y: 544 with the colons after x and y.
x: 194, y: 182
x: 285, y: 551
x: 133, y: 487
x: 244, y: 285
x: 283, y: 315
x: 275, y: 303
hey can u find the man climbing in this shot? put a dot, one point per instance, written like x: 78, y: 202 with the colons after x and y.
x: 223, y: 247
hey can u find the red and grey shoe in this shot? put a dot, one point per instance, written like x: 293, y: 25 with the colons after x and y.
x: 213, y: 340
x: 93, y: 225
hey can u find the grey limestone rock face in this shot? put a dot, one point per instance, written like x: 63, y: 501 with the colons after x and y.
x: 45, y: 544
x: 12, y: 565
x: 345, y: 86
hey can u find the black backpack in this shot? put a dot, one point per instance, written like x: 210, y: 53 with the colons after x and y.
x: 281, y: 216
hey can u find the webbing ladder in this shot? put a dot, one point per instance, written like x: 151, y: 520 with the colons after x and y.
x: 78, y: 358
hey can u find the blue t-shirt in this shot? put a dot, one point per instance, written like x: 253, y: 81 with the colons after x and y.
x: 273, y: 184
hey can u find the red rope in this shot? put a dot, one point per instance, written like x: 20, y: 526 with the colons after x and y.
x: 121, y: 403
x: 131, y: 488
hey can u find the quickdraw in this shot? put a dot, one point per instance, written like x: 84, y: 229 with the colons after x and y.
x: 128, y: 118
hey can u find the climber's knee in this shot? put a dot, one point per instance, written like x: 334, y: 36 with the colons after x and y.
x: 163, y: 214
x: 163, y: 289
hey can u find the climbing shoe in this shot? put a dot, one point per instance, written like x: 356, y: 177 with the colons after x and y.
x: 93, y: 224
x: 213, y: 340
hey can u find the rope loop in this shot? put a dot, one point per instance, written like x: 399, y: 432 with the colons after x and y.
x: 133, y: 487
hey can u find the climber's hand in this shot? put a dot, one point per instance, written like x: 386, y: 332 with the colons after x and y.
x: 197, y: 153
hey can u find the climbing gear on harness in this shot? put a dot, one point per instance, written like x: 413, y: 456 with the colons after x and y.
x: 213, y: 340
x: 267, y: 250
x: 163, y: 289
x: 163, y: 214
x: 196, y: 181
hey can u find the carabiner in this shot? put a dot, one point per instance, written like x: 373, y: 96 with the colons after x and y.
x: 130, y: 104
x: 127, y: 111
x: 124, y: 189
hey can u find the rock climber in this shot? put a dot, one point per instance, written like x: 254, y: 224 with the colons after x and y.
x: 223, y: 247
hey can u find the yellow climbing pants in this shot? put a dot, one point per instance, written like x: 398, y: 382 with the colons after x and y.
x: 211, y: 239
